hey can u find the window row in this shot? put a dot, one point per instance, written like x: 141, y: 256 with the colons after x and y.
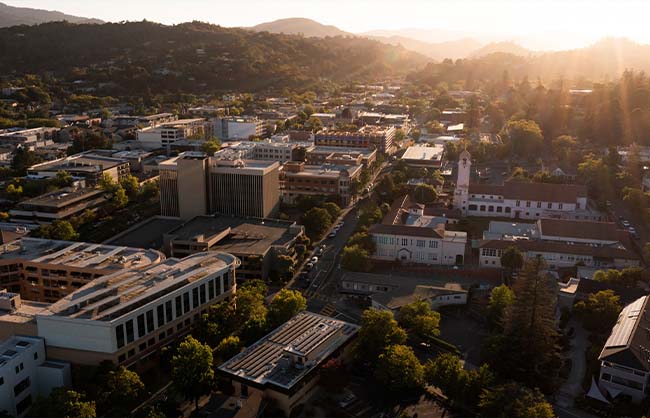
x: 170, y: 310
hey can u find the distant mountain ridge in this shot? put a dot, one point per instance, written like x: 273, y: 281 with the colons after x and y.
x: 448, y: 47
x: 13, y: 16
x: 300, y: 26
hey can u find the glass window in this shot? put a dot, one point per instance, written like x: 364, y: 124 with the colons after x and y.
x: 168, y: 311
x: 160, y: 312
x: 129, y: 331
x: 141, y: 330
x: 179, y: 309
x: 119, y: 334
x: 195, y: 297
x: 211, y: 289
x: 202, y: 293
x: 186, y: 302
x: 150, y: 324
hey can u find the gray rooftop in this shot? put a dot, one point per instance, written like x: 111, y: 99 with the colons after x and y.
x: 286, y: 355
x: 77, y: 254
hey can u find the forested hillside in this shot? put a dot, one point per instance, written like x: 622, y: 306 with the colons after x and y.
x: 148, y: 57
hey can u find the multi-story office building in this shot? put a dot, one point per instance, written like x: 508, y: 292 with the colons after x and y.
x: 126, y: 121
x: 376, y: 137
x: 298, y: 179
x: 233, y: 127
x: 283, y: 365
x: 166, y: 134
x: 26, y: 374
x: 193, y: 184
x: 625, y: 358
x: 45, y: 270
x: 60, y: 204
x: 89, y: 165
x: 126, y: 316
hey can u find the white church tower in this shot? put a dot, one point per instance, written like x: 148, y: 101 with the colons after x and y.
x: 461, y: 194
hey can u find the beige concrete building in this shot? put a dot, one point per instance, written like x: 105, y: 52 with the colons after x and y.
x: 298, y: 179
x: 59, y: 204
x: 89, y: 165
x: 44, y: 270
x: 127, y: 316
x: 194, y: 184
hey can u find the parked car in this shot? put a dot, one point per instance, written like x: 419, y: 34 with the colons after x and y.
x: 625, y: 223
x: 309, y: 266
x: 314, y: 260
x: 332, y: 234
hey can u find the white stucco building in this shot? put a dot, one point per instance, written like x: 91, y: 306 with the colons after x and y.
x: 518, y: 200
x: 26, y: 374
x: 406, y: 234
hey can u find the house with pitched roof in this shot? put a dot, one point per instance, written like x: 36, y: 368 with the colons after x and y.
x: 625, y: 358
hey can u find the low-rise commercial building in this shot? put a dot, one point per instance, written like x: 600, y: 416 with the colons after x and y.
x: 391, y: 292
x: 283, y: 366
x: 422, y: 156
x: 256, y: 242
x: 233, y: 127
x: 341, y: 155
x: 57, y: 205
x: 376, y: 137
x: 166, y: 134
x: 559, y: 254
x: 26, y: 374
x: 625, y: 358
x: 89, y: 165
x: 298, y: 179
x: 29, y: 138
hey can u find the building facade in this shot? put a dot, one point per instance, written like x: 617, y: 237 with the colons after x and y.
x: 379, y: 138
x: 57, y: 205
x: 193, y: 184
x: 298, y: 179
x: 228, y: 128
x: 518, y: 200
x: 26, y: 374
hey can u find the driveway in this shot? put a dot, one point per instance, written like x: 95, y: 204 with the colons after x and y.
x: 572, y: 387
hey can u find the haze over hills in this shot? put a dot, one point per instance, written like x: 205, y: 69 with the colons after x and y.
x: 507, y: 47
x: 12, y: 16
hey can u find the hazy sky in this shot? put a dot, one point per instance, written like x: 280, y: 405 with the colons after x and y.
x: 565, y: 22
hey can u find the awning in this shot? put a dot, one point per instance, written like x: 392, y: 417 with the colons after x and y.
x: 595, y: 393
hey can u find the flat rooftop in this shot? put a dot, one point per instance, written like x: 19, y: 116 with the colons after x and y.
x: 247, y: 235
x: 424, y: 153
x: 147, y: 234
x: 365, y: 152
x: 83, y: 161
x: 112, y: 296
x: 77, y: 254
x: 12, y: 346
x: 273, y: 359
x: 63, y: 197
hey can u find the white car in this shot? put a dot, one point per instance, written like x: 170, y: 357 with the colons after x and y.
x: 314, y: 260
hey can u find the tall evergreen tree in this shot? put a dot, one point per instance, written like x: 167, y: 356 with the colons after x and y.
x: 528, y: 350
